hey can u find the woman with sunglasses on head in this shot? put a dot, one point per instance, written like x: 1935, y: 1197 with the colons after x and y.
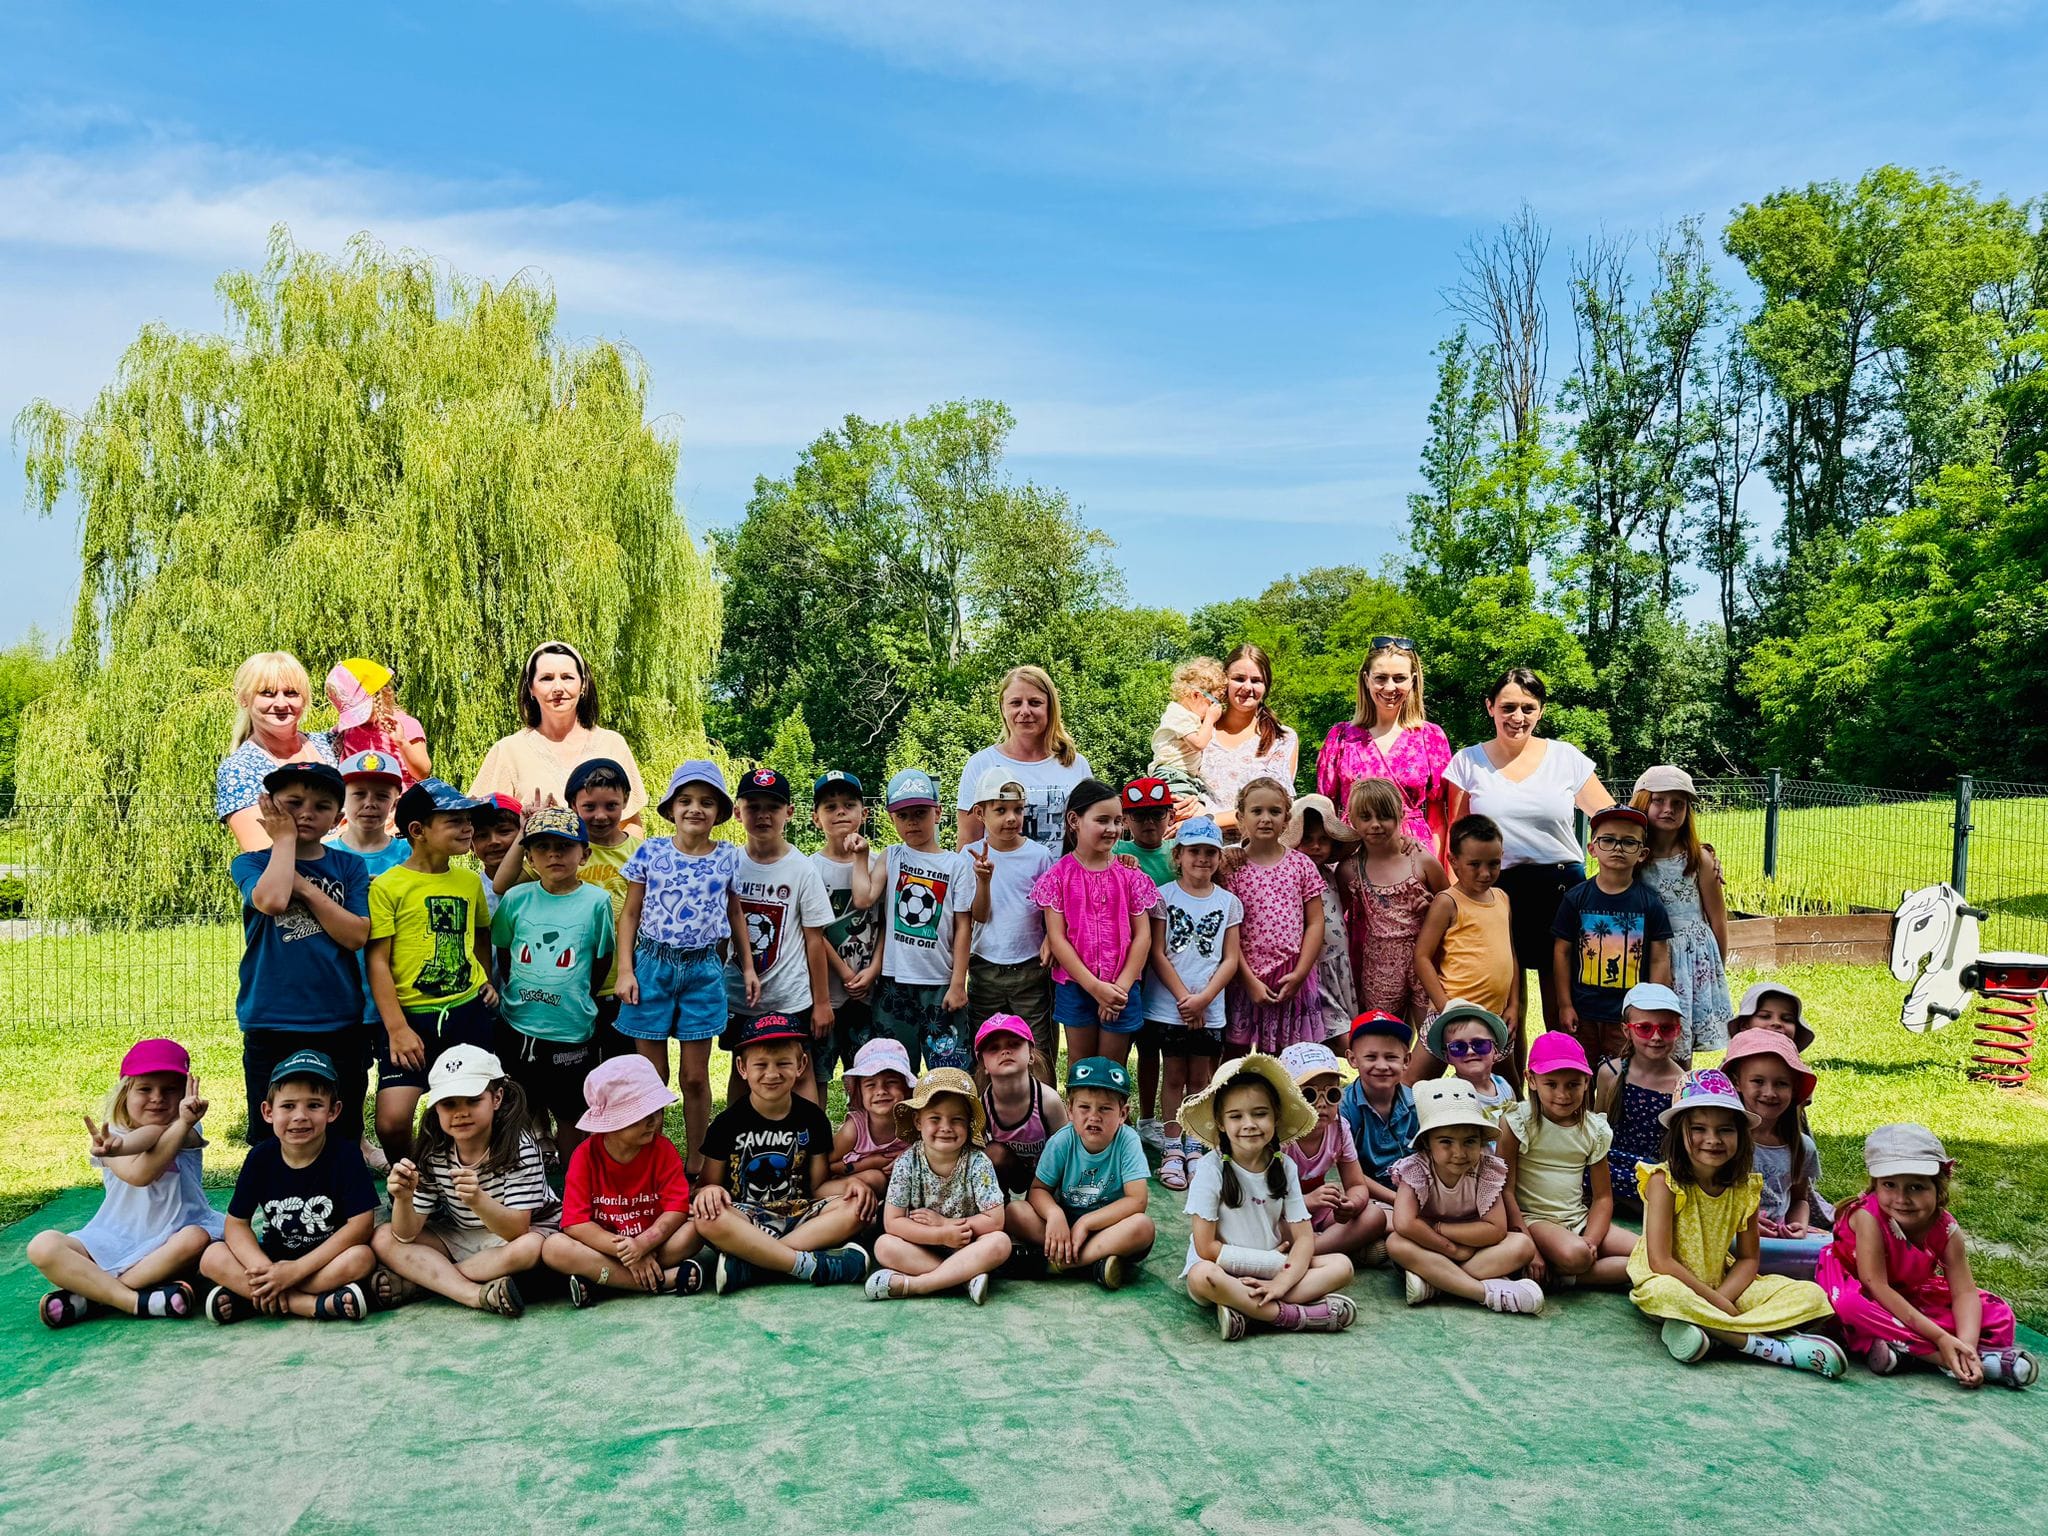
x: 1391, y: 738
x: 1529, y: 786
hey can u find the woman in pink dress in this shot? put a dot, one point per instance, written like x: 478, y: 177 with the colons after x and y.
x: 1391, y: 738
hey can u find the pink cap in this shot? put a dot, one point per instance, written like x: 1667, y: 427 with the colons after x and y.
x: 622, y: 1091
x: 1001, y: 1024
x: 1557, y: 1051
x: 147, y: 1056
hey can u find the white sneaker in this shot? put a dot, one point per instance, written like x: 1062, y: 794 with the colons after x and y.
x: 877, y: 1286
x: 977, y: 1290
x: 1416, y: 1289
x: 1524, y: 1296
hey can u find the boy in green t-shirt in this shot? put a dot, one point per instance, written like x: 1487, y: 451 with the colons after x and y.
x: 430, y: 950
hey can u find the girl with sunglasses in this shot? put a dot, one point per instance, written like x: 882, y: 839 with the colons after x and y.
x: 1472, y: 1040
x: 1345, y: 1216
x: 1634, y: 1089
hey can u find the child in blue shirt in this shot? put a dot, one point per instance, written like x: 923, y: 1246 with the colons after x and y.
x: 1086, y: 1206
x: 1378, y: 1106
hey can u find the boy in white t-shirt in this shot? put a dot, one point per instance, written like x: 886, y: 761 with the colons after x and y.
x: 786, y: 911
x: 1195, y: 933
x: 927, y: 932
x: 1006, y: 968
x: 852, y: 872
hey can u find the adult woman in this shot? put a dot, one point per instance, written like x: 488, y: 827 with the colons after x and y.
x: 1248, y: 742
x: 271, y: 695
x: 1036, y: 751
x: 1390, y: 738
x: 1529, y: 786
x: 558, y: 700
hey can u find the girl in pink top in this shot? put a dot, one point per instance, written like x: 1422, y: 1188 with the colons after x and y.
x: 867, y: 1144
x: 1384, y: 907
x: 1388, y: 738
x: 1022, y: 1111
x: 1096, y: 928
x: 1343, y: 1213
x: 1898, y: 1273
x: 1274, y: 999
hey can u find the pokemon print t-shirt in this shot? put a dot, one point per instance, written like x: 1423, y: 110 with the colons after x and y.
x: 554, y: 942
x: 1196, y: 927
x: 778, y: 900
x: 925, y: 893
x: 295, y: 1210
x: 768, y: 1162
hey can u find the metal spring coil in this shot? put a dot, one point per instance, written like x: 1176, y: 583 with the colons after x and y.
x: 2004, y: 1047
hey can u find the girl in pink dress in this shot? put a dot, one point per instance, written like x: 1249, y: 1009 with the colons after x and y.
x: 1342, y: 1210
x: 1898, y: 1273
x: 1389, y: 738
x: 1385, y: 905
x: 1274, y: 1000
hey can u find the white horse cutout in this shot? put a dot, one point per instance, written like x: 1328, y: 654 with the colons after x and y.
x: 1935, y: 928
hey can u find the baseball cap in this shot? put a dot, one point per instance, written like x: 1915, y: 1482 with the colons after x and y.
x: 371, y: 765
x: 1001, y: 1024
x: 461, y: 1072
x: 1653, y: 996
x: 1556, y: 1051
x: 159, y: 1055
x: 1904, y: 1148
x: 589, y: 769
x: 325, y: 775
x: 498, y: 803
x: 767, y: 1029
x: 910, y: 787
x: 352, y: 688
x: 764, y: 784
x: 315, y: 1064
x: 697, y: 770
x: 1147, y: 795
x: 1199, y: 830
x: 430, y: 796
x: 836, y: 778
x: 1664, y: 779
x: 1377, y: 1021
x: 555, y: 821
x: 998, y: 785
x: 1627, y: 813
x: 1311, y: 1058
x: 1099, y: 1072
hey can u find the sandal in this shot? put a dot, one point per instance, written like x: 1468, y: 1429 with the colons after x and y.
x: 223, y: 1306
x: 343, y: 1304
x: 1173, y: 1167
x: 502, y: 1297
x: 60, y: 1309
x: 174, y: 1298
x: 388, y: 1288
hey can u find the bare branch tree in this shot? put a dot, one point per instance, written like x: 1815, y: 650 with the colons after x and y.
x: 1501, y: 295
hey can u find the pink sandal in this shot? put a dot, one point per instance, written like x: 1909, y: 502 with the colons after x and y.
x: 1173, y: 1167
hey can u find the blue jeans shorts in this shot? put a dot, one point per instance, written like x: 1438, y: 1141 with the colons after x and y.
x: 1071, y: 1006
x: 682, y: 994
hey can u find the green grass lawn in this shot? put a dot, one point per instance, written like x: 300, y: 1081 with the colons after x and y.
x: 84, y: 999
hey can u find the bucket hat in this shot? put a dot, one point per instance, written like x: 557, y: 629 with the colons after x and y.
x: 1447, y: 1101
x: 1198, y: 1114
x: 1322, y: 805
x: 1768, y: 1042
x: 621, y: 1092
x: 1461, y: 1012
x: 1802, y: 1032
x: 1705, y: 1088
x: 941, y: 1080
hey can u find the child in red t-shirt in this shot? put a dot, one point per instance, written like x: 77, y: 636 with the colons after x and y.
x: 626, y: 1201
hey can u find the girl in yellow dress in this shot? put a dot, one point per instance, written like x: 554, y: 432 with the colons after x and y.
x: 1699, y: 1204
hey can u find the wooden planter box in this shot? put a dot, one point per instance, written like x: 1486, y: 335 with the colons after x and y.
x: 1860, y: 938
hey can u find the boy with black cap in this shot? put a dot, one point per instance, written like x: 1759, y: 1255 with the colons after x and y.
x: 852, y: 873
x: 786, y: 911
x: 1611, y: 931
x: 305, y: 917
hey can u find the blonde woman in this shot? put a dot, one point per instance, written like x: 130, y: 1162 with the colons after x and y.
x: 271, y: 695
x: 1391, y: 737
x: 1036, y: 752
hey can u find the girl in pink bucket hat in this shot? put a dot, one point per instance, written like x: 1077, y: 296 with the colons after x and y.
x: 868, y: 1142
x: 1555, y: 1147
x: 155, y: 1220
x: 1695, y: 1267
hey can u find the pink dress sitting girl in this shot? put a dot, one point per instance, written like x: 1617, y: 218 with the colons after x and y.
x: 1898, y: 1272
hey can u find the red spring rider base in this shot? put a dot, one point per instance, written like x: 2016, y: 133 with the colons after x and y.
x: 2011, y: 986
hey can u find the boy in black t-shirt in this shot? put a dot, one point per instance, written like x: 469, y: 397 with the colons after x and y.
x: 763, y: 1201
x: 317, y: 1204
x: 1611, y: 932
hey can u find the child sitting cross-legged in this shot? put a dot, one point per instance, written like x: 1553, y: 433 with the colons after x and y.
x: 1023, y: 1113
x: 626, y: 1202
x: 1555, y: 1147
x: 868, y: 1141
x: 1252, y: 1254
x: 471, y: 1207
x: 942, y: 1220
x: 1346, y: 1217
x: 1450, y: 1222
x: 317, y: 1205
x: 1776, y: 1084
x: 765, y: 1204
x: 155, y: 1221
x: 1087, y: 1202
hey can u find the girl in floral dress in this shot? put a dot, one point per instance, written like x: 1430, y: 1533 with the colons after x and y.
x: 1686, y: 875
x: 1386, y: 904
x: 1274, y: 1001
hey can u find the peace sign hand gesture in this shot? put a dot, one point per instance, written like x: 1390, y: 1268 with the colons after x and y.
x: 106, y: 1141
x: 192, y: 1108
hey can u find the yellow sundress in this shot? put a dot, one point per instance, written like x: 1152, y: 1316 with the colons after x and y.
x: 1703, y: 1232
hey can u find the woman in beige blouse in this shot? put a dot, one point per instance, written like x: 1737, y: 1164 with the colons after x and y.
x: 558, y: 699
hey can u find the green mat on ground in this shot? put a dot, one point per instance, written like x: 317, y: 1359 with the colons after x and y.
x: 1055, y: 1408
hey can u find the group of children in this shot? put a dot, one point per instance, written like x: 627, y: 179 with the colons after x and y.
x: 518, y: 973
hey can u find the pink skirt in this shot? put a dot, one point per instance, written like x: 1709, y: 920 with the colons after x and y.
x: 1261, y: 1027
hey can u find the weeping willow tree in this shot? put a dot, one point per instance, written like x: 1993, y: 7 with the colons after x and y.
x: 378, y: 457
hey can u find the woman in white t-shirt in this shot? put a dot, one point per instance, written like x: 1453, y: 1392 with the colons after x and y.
x: 1529, y: 786
x: 1249, y: 742
x: 1036, y: 752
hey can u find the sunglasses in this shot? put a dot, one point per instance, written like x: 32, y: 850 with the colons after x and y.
x: 1464, y: 1050
x: 1323, y: 1095
x: 1391, y: 643
x: 1608, y: 844
x: 1649, y: 1029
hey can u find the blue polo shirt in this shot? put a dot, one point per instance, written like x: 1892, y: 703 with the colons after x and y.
x: 1381, y: 1142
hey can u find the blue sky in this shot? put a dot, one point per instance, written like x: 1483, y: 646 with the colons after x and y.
x: 1199, y: 249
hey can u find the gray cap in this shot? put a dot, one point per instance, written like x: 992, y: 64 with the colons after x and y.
x: 1905, y: 1148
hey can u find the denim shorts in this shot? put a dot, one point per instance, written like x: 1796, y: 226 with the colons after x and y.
x: 1072, y: 1006
x: 682, y: 994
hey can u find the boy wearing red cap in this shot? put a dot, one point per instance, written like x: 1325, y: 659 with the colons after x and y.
x: 1611, y: 931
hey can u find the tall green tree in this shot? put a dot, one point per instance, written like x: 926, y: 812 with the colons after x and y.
x: 375, y: 457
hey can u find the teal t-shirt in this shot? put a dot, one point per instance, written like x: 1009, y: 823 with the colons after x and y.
x: 1156, y: 862
x: 1084, y: 1181
x: 554, y: 943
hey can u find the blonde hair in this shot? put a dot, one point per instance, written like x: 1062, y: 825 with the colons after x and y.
x: 1201, y: 674
x: 1382, y: 797
x: 266, y: 669
x: 114, y: 1111
x: 1689, y: 839
x: 1057, y: 741
x: 1412, y: 713
x: 1264, y: 782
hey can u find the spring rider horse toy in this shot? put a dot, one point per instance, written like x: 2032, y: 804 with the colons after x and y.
x: 1934, y: 946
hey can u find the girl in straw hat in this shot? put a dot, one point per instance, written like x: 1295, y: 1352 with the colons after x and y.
x: 1253, y: 1253
x: 1450, y: 1222
x: 942, y: 1219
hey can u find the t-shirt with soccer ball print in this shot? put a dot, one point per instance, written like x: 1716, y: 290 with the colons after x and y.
x: 925, y: 893
x: 779, y: 899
